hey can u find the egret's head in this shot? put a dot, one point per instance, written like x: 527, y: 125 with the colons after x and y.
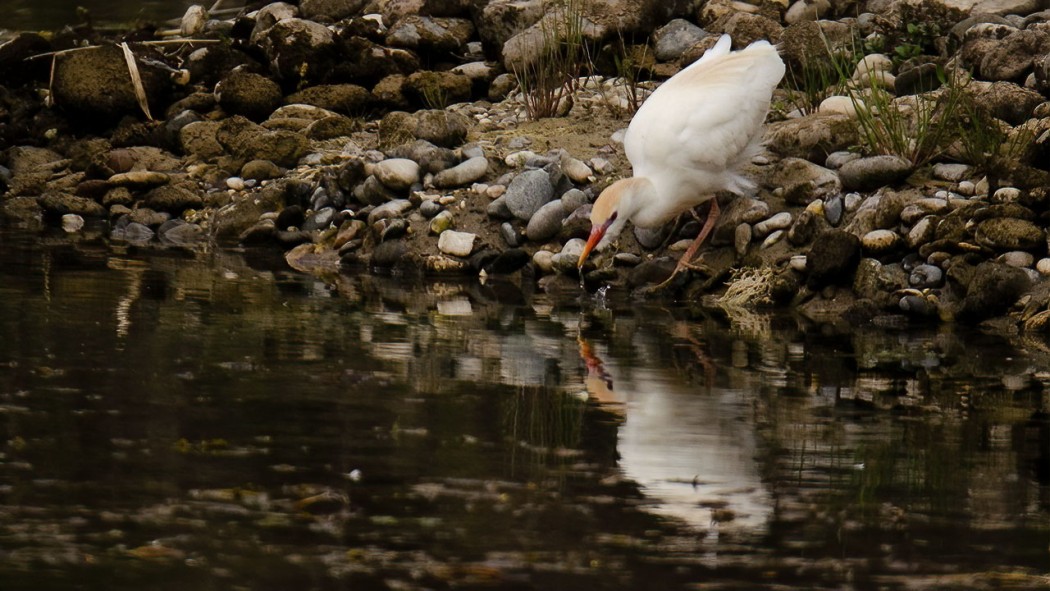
x: 609, y: 214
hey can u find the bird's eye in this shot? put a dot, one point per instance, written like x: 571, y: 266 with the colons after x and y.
x: 612, y: 218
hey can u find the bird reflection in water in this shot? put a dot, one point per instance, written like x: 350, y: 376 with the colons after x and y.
x: 598, y: 382
x: 688, y: 444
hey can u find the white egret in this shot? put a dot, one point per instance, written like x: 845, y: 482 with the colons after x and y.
x: 690, y: 139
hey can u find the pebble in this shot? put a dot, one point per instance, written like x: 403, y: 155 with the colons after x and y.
x: 840, y: 104
x: 390, y: 209
x: 952, y: 172
x: 922, y: 232
x: 966, y: 188
x: 518, y: 159
x: 680, y: 245
x: 319, y: 220
x: 917, y: 305
x: 777, y: 222
x: 373, y: 192
x: 495, y: 191
x: 652, y: 237
x: 528, y: 192
x: 498, y: 209
x: 574, y: 168
x: 872, y: 172
x: 805, y: 226
x: 235, y: 182
x: 1017, y: 258
x: 510, y: 235
x: 72, y: 222
x: 742, y: 238
x: 852, y: 201
x: 140, y: 179
x: 835, y: 160
x: 148, y: 217
x: 260, y: 170
x: 455, y: 243
x: 880, y: 241
x: 391, y: 228
x: 398, y: 174
x: 319, y: 199
x: 291, y: 216
x: 806, y: 10
x: 677, y: 36
x: 756, y: 211
x: 1006, y: 195
x: 441, y: 222
x: 925, y: 276
x: 546, y: 222
x: 544, y: 260
x: 833, y: 209
x: 1043, y: 266
x: 573, y: 247
x: 601, y: 165
x: 348, y: 232
x: 772, y: 239
x: 430, y: 208
x: 873, y: 62
x: 798, y: 263
x: 565, y: 262
x: 626, y: 259
x: 463, y: 173
x: 573, y: 199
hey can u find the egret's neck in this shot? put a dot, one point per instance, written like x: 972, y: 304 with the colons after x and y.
x: 639, y: 198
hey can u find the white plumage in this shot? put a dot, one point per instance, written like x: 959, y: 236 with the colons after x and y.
x: 690, y: 139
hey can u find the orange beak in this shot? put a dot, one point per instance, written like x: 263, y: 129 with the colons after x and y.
x: 597, y: 232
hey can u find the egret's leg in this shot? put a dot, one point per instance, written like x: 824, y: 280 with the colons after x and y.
x: 686, y: 261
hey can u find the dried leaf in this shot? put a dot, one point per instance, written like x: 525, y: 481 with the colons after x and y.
x: 136, y: 80
x: 50, y: 100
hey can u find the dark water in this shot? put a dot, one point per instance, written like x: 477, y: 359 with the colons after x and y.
x: 174, y: 420
x: 54, y: 14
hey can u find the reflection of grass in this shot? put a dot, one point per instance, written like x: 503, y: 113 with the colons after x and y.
x: 545, y: 424
x: 924, y: 473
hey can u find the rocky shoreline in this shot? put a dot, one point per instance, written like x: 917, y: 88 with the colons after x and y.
x: 391, y: 136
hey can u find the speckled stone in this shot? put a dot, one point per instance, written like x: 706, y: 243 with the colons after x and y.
x: 528, y: 192
x: 880, y: 241
x: 1009, y: 234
